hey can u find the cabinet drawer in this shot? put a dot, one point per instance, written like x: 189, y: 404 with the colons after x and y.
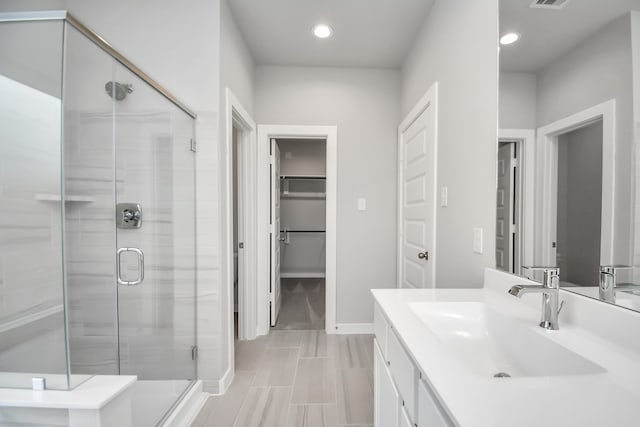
x: 404, y: 373
x: 380, y: 328
x: 430, y: 412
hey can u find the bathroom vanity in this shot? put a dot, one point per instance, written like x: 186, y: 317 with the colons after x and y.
x: 477, y: 357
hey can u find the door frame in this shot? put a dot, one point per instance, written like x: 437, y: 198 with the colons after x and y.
x: 429, y: 99
x: 547, y: 179
x: 525, y: 140
x: 238, y: 117
x: 265, y: 134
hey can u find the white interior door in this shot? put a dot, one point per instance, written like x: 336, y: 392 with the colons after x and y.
x: 275, y: 297
x: 505, y: 203
x: 417, y: 205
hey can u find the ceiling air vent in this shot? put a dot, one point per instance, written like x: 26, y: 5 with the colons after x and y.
x: 549, y: 4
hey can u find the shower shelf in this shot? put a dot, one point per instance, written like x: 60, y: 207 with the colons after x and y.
x: 50, y: 197
x: 28, y: 319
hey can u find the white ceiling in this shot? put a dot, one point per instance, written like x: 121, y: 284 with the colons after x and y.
x: 546, y: 34
x: 367, y: 33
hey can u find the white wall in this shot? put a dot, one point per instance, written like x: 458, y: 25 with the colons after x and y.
x: 635, y: 48
x: 457, y: 47
x: 517, y: 105
x: 364, y: 104
x: 597, y: 70
x: 237, y: 74
x: 178, y: 45
x: 236, y: 65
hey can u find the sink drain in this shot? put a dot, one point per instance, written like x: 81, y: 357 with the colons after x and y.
x: 501, y: 375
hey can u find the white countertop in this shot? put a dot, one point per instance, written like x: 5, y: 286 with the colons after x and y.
x: 94, y: 393
x: 611, y: 398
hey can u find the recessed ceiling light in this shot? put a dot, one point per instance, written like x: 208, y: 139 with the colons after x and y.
x: 509, y: 38
x: 322, y: 31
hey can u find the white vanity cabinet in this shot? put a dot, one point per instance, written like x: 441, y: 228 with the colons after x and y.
x: 401, y: 397
x: 386, y: 397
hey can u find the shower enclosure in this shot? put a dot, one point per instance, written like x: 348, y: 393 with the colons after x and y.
x: 97, y: 217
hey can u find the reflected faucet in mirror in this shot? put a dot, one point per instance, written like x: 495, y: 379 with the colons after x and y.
x: 550, y: 288
x: 608, y: 282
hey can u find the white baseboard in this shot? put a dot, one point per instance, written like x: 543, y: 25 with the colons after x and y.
x: 353, y: 328
x: 225, y: 382
x: 187, y: 410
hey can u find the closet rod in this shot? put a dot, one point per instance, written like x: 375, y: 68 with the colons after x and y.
x: 304, y: 177
x: 302, y: 231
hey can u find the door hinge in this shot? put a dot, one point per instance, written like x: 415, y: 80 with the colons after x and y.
x: 194, y: 352
x: 241, y: 245
x: 514, y: 163
x: 192, y: 145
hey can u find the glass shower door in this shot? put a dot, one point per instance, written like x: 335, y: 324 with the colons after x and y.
x: 155, y: 242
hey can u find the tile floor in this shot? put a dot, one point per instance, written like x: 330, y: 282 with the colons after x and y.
x: 297, y: 379
x: 303, y: 304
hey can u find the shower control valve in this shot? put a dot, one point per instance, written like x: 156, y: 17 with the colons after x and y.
x: 129, y: 215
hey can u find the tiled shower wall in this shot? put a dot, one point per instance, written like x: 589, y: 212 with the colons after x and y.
x: 30, y: 222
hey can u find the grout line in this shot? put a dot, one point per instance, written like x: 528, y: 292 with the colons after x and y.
x: 295, y: 377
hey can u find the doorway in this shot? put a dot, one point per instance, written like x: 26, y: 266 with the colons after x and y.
x: 238, y: 229
x: 275, y: 244
x: 299, y: 203
x: 579, y: 205
x: 597, y: 124
x: 508, y: 208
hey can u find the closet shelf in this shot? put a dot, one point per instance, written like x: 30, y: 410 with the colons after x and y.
x: 302, y: 274
x: 302, y: 195
x: 50, y: 197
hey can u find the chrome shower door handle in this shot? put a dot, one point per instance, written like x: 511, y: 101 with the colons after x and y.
x: 140, y: 256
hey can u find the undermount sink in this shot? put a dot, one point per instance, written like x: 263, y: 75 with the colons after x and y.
x: 492, y: 344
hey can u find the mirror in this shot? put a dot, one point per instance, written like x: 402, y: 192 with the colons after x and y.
x: 568, y: 183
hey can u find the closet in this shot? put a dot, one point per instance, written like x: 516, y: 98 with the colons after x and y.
x: 302, y: 205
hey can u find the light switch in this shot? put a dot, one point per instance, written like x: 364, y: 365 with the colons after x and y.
x: 444, y: 196
x: 362, y: 204
x: 477, y: 240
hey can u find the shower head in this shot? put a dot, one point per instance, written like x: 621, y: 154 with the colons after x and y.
x: 119, y: 91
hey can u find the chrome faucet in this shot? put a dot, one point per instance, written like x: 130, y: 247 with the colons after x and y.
x: 608, y: 282
x: 549, y: 289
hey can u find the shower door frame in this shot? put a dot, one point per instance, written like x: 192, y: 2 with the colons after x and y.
x: 63, y: 15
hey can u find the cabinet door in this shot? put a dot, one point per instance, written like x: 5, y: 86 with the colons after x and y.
x: 430, y: 412
x: 380, y: 328
x: 405, y: 375
x: 404, y: 419
x: 386, y: 397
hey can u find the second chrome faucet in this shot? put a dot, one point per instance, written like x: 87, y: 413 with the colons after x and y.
x: 550, y: 289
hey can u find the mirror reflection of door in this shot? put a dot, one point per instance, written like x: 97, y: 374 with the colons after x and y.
x: 579, y: 205
x: 506, y: 257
